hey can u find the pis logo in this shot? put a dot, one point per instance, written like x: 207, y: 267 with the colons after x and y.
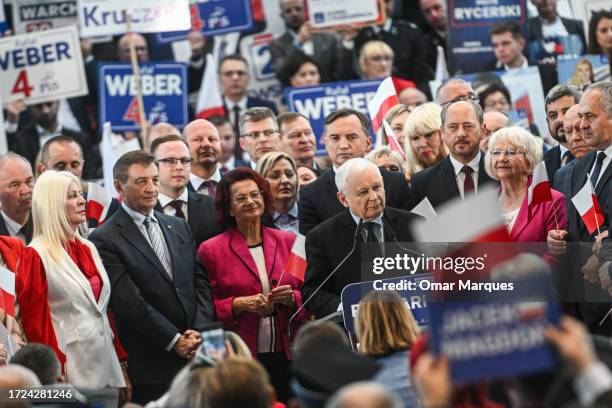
x: 218, y: 18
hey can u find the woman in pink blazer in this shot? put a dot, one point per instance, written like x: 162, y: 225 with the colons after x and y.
x: 511, y: 158
x: 252, y: 295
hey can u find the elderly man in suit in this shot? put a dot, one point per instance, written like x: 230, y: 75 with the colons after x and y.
x: 462, y: 172
x: 16, y: 184
x: 347, y: 135
x: 172, y: 156
x: 160, y: 296
x: 361, y: 190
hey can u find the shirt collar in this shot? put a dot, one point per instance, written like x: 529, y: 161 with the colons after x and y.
x: 525, y: 64
x: 10, y: 223
x: 377, y: 220
x: 608, y: 151
x: 164, y: 200
x: 384, y: 27
x: 196, y: 181
x: 136, y: 216
x: 474, y: 164
x: 242, y: 104
x: 44, y: 132
x: 230, y: 163
x: 562, y: 150
x: 293, y: 212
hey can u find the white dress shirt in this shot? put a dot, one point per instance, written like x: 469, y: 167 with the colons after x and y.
x: 197, y: 181
x: 13, y: 227
x: 604, y: 164
x: 460, y: 176
x: 242, y: 104
x: 165, y: 200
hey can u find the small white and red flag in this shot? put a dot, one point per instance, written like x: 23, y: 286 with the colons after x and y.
x: 384, y: 99
x: 539, y: 190
x: 585, y: 202
x: 7, y: 290
x: 98, y: 203
x: 296, y: 262
x: 209, y: 99
x: 394, y: 144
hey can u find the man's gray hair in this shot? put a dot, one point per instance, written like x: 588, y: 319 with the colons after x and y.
x: 448, y: 82
x: 10, y: 156
x: 605, y: 88
x: 375, y: 395
x: 561, y: 90
x: 477, y: 111
x: 351, y: 167
x: 256, y: 114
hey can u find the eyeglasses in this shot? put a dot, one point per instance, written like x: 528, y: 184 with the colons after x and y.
x: 510, y: 152
x: 278, y: 174
x: 229, y: 74
x: 255, y: 135
x: 381, y: 58
x: 172, y: 161
x: 243, y: 198
x: 470, y: 97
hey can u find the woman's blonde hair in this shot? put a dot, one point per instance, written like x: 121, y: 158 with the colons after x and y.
x: 384, y: 323
x: 268, y: 160
x: 423, y: 119
x: 575, y: 80
x: 372, y: 46
x: 517, y: 137
x: 49, y: 200
x: 395, y: 112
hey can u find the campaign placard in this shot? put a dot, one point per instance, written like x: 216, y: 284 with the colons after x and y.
x: 409, y: 288
x: 3, y: 22
x: 214, y: 18
x: 36, y: 15
x: 163, y: 88
x: 42, y: 66
x: 332, y: 13
x: 316, y: 102
x: 583, y: 70
x: 110, y: 17
x: 469, y: 24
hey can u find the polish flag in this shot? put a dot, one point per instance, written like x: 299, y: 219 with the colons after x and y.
x: 209, y: 99
x: 394, y: 144
x: 296, y: 263
x: 385, y: 99
x: 587, y: 206
x: 539, y: 190
x: 98, y: 203
x: 7, y: 290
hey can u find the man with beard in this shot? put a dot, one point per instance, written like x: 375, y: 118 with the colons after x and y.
x: 204, y: 145
x: 16, y: 185
x: 559, y: 99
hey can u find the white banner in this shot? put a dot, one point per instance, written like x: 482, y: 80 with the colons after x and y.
x: 42, y: 66
x: 37, y: 15
x: 332, y: 13
x: 109, y: 17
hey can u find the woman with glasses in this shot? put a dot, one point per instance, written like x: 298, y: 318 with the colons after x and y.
x: 375, y: 60
x: 511, y: 158
x: 253, y: 296
x: 280, y: 170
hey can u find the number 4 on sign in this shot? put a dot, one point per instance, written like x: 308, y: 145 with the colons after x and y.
x: 22, y: 85
x: 131, y: 113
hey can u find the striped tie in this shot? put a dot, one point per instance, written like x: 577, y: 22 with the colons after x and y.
x: 157, y: 242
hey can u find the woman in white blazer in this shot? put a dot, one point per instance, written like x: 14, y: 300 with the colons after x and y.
x: 63, y: 290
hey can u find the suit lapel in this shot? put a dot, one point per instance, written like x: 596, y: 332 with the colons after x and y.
x: 332, y: 189
x: 172, y: 242
x: 603, y: 180
x: 483, y: 177
x: 194, y: 217
x: 240, y: 248
x: 449, y: 179
x: 269, y: 247
x: 3, y: 229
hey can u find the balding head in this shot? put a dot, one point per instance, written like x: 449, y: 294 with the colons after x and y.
x: 204, y: 143
x: 140, y: 45
x: 161, y: 129
x: 493, y: 121
x: 455, y: 89
x: 573, y: 133
x: 364, y: 395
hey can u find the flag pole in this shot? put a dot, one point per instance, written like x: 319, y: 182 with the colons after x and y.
x: 136, y: 72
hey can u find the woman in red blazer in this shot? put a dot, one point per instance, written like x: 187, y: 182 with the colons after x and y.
x: 252, y: 295
x: 511, y: 158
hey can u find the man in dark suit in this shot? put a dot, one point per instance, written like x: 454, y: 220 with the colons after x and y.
x: 462, y: 171
x: 325, y: 48
x: 258, y: 133
x: 204, y: 145
x: 347, y: 135
x: 596, y: 124
x: 227, y: 134
x: 558, y: 101
x: 160, y: 296
x: 172, y: 156
x: 435, y: 30
x: 298, y: 140
x: 362, y: 193
x: 16, y: 185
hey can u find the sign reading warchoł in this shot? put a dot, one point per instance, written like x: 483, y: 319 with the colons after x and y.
x: 110, y: 17
x: 42, y: 66
x: 37, y: 15
x: 163, y: 88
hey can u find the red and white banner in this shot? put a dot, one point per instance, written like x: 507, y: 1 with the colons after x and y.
x: 7, y: 290
x: 394, y: 144
x: 209, y: 99
x: 539, y: 190
x: 296, y: 263
x: 585, y: 202
x: 385, y: 99
x: 98, y: 203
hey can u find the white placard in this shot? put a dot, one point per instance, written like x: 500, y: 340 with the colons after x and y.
x: 42, y: 66
x: 37, y: 15
x: 332, y: 13
x: 108, y: 17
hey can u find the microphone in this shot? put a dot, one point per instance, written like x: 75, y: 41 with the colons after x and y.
x: 318, y: 288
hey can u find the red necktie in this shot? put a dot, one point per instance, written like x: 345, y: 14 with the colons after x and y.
x: 468, y: 182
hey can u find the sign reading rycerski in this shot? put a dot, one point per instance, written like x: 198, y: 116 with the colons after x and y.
x: 333, y: 13
x: 413, y: 290
x: 36, y: 15
x: 163, y: 88
x: 316, y: 102
x: 42, y: 66
x: 110, y: 17
x: 215, y: 18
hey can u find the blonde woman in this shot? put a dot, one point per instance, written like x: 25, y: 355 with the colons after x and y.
x: 386, y: 331
x: 63, y: 290
x: 396, y: 118
x: 375, y: 60
x: 583, y: 74
x: 423, y: 142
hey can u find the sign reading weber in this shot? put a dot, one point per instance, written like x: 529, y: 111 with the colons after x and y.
x: 42, y: 66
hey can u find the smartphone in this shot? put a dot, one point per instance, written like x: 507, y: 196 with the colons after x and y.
x: 213, y: 342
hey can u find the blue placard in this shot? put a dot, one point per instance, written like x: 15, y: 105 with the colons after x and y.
x: 408, y: 287
x: 213, y: 18
x: 495, y: 338
x: 3, y: 22
x: 164, y: 91
x: 470, y: 22
x: 316, y: 102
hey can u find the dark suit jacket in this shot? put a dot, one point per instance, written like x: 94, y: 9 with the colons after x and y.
x: 200, y: 217
x: 552, y: 160
x: 29, y: 229
x: 328, y: 243
x: 149, y: 307
x: 562, y: 181
x: 253, y: 102
x: 438, y: 182
x: 333, y: 59
x: 319, y: 201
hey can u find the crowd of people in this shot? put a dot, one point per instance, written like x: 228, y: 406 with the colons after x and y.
x: 122, y: 293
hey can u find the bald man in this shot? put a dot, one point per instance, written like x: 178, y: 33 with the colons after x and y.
x: 161, y: 129
x: 140, y: 45
x: 455, y: 90
x: 493, y: 121
x: 16, y: 186
x: 204, y: 144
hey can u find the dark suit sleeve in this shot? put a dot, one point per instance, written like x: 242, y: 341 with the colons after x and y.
x: 307, y: 210
x: 204, y: 297
x: 418, y: 193
x: 126, y: 302
x: 404, y: 195
x: 324, y: 301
